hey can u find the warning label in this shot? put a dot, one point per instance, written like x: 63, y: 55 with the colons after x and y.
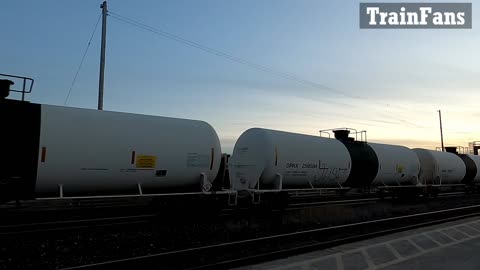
x: 145, y: 161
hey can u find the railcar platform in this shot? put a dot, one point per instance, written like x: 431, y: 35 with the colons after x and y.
x: 452, y: 245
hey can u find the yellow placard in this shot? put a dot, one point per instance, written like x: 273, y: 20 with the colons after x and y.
x: 145, y: 161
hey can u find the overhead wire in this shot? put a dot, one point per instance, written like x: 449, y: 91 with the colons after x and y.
x: 243, y: 61
x: 81, y: 62
x: 263, y: 68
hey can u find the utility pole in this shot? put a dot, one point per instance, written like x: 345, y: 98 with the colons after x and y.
x: 102, y: 55
x: 441, y: 129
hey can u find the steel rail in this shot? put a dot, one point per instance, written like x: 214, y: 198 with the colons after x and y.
x: 24, y: 228
x: 158, y: 259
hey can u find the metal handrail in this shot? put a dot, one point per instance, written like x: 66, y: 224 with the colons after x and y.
x: 363, y: 133
x: 459, y: 149
x: 24, y: 87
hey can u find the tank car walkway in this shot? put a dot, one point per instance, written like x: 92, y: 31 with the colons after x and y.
x: 453, y: 245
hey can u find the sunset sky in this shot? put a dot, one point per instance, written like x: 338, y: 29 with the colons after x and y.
x: 392, y: 81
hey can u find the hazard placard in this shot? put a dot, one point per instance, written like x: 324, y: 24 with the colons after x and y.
x: 146, y: 161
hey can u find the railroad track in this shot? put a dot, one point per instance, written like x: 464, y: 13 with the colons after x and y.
x: 84, y: 221
x: 245, y: 252
x: 48, y: 205
x: 360, y: 200
x: 39, y: 227
x: 67, y: 204
x: 336, y: 202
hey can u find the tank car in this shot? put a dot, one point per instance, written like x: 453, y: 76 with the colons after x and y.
x: 264, y: 159
x: 398, y: 165
x: 377, y: 164
x: 440, y: 168
x: 472, y: 168
x: 476, y: 174
x: 472, y: 177
x: 388, y: 169
x: 61, y: 151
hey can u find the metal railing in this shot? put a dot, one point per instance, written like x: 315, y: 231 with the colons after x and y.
x: 26, y: 81
x: 458, y: 149
x: 362, y: 133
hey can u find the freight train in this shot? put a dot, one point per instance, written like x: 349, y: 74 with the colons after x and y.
x: 270, y: 161
x: 61, y: 152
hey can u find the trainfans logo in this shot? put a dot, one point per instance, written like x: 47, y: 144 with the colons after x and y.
x: 416, y: 15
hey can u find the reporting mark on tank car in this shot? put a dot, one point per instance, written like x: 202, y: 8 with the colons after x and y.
x: 291, y: 165
x: 309, y: 166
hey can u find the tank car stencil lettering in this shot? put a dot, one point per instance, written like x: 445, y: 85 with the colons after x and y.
x: 243, y: 150
x: 334, y: 172
x: 309, y: 166
x: 196, y: 160
x: 322, y: 166
x: 146, y: 161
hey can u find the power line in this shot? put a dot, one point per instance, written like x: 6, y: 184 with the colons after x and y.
x: 243, y: 61
x: 260, y: 67
x: 81, y: 62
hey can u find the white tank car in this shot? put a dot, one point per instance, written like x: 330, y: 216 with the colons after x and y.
x: 270, y: 159
x: 397, y: 165
x: 476, y: 160
x: 440, y: 167
x: 89, y: 151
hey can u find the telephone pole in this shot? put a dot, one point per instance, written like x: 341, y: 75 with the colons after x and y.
x: 441, y: 129
x: 102, y: 55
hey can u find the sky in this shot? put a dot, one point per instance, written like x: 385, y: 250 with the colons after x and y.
x: 393, y: 80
